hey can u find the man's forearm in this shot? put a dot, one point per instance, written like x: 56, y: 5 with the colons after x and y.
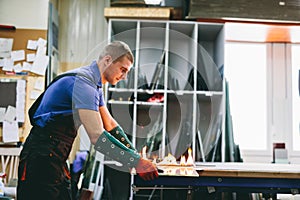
x: 113, y: 148
x: 119, y: 133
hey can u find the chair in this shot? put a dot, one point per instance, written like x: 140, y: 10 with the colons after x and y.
x: 9, y: 165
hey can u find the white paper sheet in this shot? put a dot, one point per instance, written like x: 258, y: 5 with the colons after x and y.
x: 10, y: 132
x: 8, y: 64
x: 20, y: 102
x: 1, y: 62
x: 10, y: 114
x: 32, y: 44
x: 41, y: 50
x: 26, y: 66
x: 41, y: 42
x: 2, y: 113
x: 30, y: 57
x: 39, y: 84
x: 18, y: 55
x: 40, y: 64
x: 6, y: 44
x: 21, y: 87
x: 18, y: 68
x: 5, y: 54
x: 34, y: 94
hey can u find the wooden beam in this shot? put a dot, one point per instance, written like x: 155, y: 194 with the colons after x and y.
x: 138, y: 13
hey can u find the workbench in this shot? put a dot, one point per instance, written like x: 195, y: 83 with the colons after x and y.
x: 242, y: 178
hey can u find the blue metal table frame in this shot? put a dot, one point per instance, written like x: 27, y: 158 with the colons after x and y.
x: 267, y: 179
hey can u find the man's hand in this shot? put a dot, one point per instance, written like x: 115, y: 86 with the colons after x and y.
x: 146, y: 169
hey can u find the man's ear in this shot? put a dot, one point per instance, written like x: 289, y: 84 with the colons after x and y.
x: 108, y: 60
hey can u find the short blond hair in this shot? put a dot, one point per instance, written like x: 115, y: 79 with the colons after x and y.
x: 117, y: 50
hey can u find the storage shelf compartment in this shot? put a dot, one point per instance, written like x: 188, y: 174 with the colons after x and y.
x: 182, y: 52
x: 209, y: 123
x: 210, y: 51
x: 179, y: 129
x: 149, y: 127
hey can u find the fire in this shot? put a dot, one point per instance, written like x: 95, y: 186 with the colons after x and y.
x: 189, y: 161
x: 170, y: 159
x: 182, y: 160
x: 170, y: 166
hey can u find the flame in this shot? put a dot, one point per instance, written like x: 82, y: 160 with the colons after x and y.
x: 171, y: 160
x: 190, y: 160
x: 182, y: 160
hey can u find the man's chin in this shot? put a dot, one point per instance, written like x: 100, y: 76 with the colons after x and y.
x: 115, y: 82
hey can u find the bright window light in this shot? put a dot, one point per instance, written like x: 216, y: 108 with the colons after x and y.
x: 296, y: 97
x: 245, y: 70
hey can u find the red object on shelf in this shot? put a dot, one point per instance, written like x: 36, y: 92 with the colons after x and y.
x: 158, y: 98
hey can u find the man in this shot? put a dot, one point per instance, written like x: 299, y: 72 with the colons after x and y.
x: 71, y: 100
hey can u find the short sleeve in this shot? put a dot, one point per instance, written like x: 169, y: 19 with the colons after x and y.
x: 85, y: 94
x: 101, y: 98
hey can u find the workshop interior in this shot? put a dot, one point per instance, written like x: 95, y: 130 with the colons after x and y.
x: 212, y: 98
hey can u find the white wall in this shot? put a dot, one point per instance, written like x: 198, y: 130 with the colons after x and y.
x: 82, y: 30
x: 24, y: 14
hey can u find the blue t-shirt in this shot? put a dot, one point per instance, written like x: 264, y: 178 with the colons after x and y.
x: 70, y: 93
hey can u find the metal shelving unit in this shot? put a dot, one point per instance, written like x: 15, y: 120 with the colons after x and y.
x: 191, y: 48
x: 192, y: 112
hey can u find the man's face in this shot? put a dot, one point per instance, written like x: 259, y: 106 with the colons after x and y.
x: 117, y: 71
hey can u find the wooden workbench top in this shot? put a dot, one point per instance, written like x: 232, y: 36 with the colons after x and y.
x: 255, y: 170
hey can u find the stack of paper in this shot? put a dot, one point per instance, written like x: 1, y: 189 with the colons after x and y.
x: 34, y: 62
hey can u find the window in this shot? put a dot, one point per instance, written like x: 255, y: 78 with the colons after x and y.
x: 246, y: 73
x: 295, y: 96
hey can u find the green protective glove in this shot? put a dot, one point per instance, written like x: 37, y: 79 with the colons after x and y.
x: 119, y: 133
x: 113, y: 148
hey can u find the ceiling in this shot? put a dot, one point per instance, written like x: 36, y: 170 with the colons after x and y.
x: 283, y: 11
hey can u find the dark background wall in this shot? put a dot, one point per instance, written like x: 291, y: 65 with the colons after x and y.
x: 282, y: 10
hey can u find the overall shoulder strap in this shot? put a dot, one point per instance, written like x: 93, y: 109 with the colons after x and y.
x: 37, y: 102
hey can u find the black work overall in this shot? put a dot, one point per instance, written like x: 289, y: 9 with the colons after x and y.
x: 43, y: 173
x: 42, y: 169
